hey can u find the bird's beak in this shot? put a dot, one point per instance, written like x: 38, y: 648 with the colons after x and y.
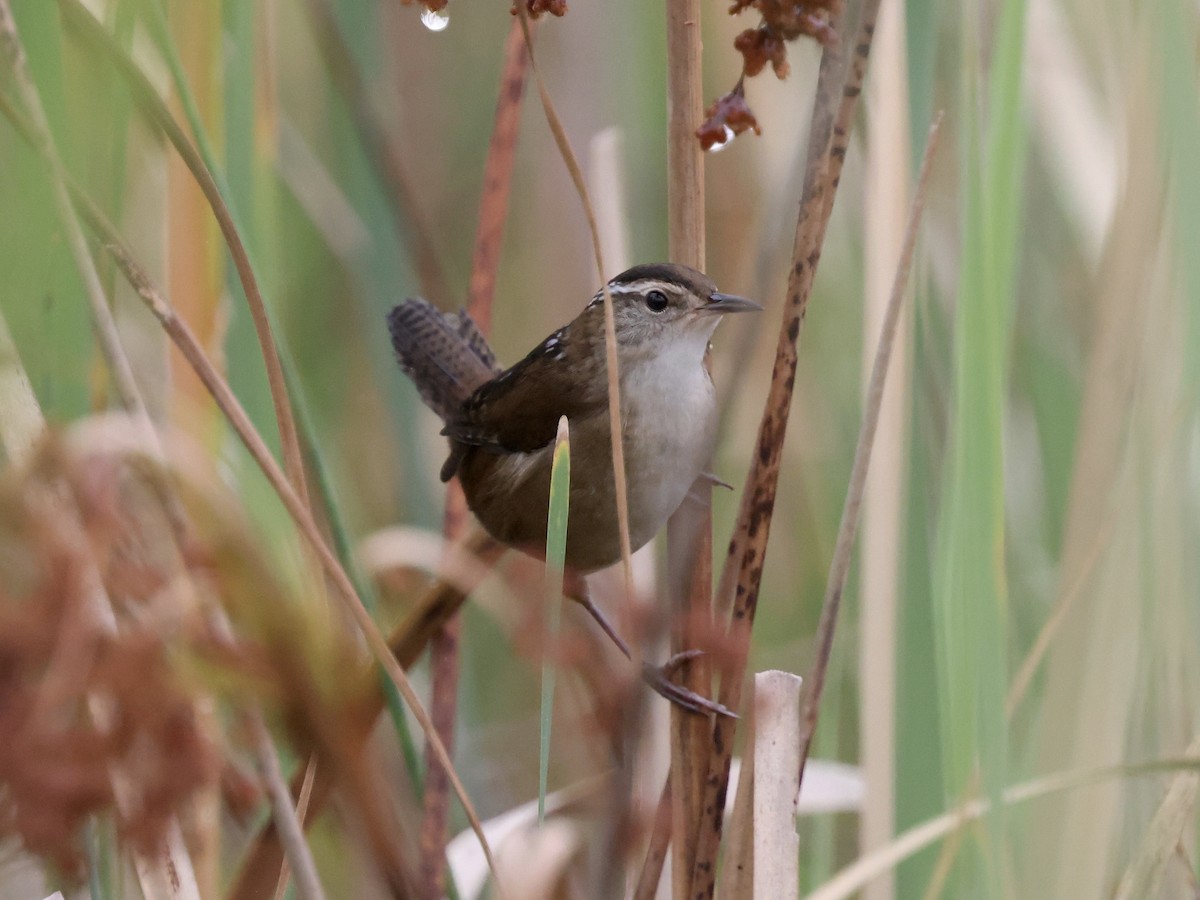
x: 719, y: 304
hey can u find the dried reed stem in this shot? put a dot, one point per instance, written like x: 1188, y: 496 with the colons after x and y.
x: 689, y: 530
x: 886, y: 179
x: 656, y: 850
x: 620, y: 796
x: 300, y: 860
x: 497, y: 179
x: 741, y: 578
x: 737, y: 864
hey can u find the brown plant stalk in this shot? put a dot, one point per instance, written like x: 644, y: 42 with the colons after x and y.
x: 838, y: 87
x: 284, y: 815
x: 646, y: 887
x: 689, y: 530
x: 615, y: 840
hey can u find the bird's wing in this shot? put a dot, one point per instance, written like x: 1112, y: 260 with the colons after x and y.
x: 518, y: 411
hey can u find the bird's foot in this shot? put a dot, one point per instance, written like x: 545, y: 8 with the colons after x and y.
x: 659, y: 678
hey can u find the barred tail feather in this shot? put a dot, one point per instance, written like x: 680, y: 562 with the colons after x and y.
x: 446, y: 356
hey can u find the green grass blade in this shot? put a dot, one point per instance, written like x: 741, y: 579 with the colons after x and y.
x: 970, y: 589
x: 1181, y: 139
x: 556, y: 555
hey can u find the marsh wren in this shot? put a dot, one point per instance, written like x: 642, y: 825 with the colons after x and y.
x: 502, y: 424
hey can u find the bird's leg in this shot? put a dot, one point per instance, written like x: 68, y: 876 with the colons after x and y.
x: 658, y: 677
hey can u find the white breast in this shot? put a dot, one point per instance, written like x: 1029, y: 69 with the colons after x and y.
x: 670, y: 415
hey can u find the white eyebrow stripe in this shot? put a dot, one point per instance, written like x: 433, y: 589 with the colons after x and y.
x: 640, y: 287
x: 633, y: 288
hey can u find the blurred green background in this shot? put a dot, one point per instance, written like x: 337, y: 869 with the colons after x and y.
x: 1025, y: 596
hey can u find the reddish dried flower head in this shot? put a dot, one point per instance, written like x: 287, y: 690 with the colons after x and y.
x: 729, y: 112
x: 809, y: 18
x: 782, y: 21
x: 98, y: 686
x: 760, y: 46
x: 94, y: 720
x: 536, y: 7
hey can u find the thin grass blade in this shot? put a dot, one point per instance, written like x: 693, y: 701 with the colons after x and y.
x: 556, y: 555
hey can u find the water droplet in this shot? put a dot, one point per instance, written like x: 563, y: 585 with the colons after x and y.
x: 434, y: 21
x: 729, y: 136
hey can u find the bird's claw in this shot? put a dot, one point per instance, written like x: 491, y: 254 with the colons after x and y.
x: 659, y: 678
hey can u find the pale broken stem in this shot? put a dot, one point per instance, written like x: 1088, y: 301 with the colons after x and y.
x: 610, y: 332
x: 776, y: 777
x: 839, y: 567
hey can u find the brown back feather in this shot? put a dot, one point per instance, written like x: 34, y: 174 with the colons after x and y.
x: 518, y: 411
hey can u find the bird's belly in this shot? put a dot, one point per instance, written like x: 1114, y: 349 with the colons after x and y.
x: 667, y: 443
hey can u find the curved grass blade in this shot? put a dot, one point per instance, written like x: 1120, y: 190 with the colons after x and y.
x: 556, y: 555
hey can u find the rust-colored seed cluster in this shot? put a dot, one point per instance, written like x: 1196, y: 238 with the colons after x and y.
x: 782, y: 21
x: 536, y: 7
x: 85, y: 715
x: 760, y: 46
x: 96, y: 713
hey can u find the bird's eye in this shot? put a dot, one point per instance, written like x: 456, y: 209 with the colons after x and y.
x: 656, y: 301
